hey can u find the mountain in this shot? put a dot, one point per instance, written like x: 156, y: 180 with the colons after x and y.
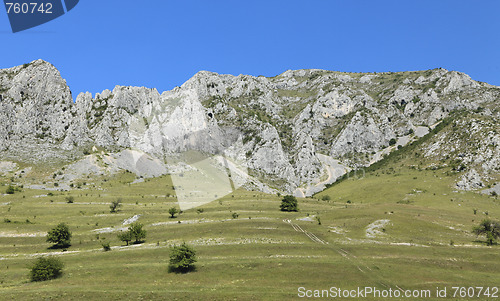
x: 296, y: 132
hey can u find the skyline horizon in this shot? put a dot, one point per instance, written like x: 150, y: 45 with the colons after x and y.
x: 75, y: 95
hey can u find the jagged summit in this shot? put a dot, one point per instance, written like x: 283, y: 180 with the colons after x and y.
x: 301, y: 129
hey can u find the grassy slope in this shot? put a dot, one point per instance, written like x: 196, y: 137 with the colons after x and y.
x: 257, y: 256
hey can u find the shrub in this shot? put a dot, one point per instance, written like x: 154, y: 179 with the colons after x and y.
x: 182, y: 259
x: 326, y: 198
x: 60, y: 236
x: 70, y: 199
x: 235, y: 215
x: 46, y: 268
x: 106, y: 247
x: 392, y: 141
x: 115, y: 205
x: 10, y: 190
x: 289, y: 203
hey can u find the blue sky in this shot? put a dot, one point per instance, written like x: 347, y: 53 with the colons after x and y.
x: 161, y: 44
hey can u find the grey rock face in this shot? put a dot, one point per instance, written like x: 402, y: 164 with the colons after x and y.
x: 470, y: 181
x: 35, y: 106
x: 362, y: 135
x: 297, y: 128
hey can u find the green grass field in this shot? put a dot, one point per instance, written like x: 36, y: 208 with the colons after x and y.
x: 421, y: 240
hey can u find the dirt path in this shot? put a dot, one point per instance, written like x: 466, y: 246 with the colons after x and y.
x: 356, y: 262
x: 307, y: 233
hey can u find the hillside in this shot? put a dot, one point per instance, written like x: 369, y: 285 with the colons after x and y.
x: 396, y: 228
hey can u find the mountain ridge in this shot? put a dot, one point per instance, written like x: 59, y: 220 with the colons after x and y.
x: 298, y: 129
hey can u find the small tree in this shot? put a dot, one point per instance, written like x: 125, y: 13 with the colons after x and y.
x: 289, y: 203
x: 70, y: 199
x: 490, y: 229
x: 125, y: 236
x: 46, y: 268
x: 172, y: 211
x: 392, y: 141
x: 182, y: 259
x: 137, y: 232
x: 60, y: 236
x: 115, y: 205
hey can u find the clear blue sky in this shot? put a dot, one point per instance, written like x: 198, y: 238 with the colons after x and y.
x: 161, y: 44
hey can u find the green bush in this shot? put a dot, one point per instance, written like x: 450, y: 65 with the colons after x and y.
x: 60, y: 236
x: 289, y: 203
x: 182, y: 259
x: 392, y: 141
x: 106, y: 246
x: 70, y: 199
x: 10, y: 190
x: 46, y: 268
x: 172, y: 211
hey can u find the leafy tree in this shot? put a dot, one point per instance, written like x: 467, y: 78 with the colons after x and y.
x: 46, y: 268
x: 10, y: 190
x: 115, y: 205
x: 172, y: 211
x: 182, y: 259
x: 60, y: 236
x: 392, y: 141
x: 125, y: 236
x: 489, y: 228
x: 137, y: 232
x: 289, y: 203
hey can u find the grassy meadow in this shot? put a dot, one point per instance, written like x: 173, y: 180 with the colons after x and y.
x: 398, y: 227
